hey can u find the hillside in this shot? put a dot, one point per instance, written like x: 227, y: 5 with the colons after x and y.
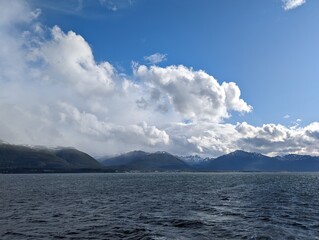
x: 247, y: 161
x: 123, y: 159
x: 77, y: 159
x: 138, y: 160
x: 22, y: 158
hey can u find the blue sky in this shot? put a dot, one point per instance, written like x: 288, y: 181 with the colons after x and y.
x: 189, y: 77
x: 272, y: 54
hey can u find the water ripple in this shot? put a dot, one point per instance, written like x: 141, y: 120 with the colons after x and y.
x: 160, y: 206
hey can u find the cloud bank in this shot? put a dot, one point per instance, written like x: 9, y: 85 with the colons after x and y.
x: 53, y: 92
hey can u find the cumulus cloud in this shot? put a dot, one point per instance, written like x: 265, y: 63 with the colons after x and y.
x: 155, y: 58
x: 68, y: 59
x: 291, y: 4
x: 53, y: 92
x: 193, y: 94
x: 12, y: 12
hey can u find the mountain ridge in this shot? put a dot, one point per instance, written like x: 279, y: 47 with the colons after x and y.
x: 238, y: 160
x: 19, y: 158
x: 139, y: 160
x: 25, y: 158
x: 251, y: 161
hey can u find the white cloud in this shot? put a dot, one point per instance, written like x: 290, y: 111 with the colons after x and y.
x: 53, y: 92
x: 291, y: 4
x: 214, y: 139
x: 286, y: 116
x: 277, y: 139
x: 12, y: 12
x: 68, y: 59
x: 155, y: 58
x: 89, y: 124
x: 193, y: 94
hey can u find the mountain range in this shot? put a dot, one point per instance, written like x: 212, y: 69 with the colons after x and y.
x: 247, y: 161
x: 235, y: 161
x: 16, y: 158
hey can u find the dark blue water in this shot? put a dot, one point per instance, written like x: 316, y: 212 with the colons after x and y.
x: 159, y: 206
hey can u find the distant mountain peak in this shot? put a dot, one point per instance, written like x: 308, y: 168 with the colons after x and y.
x: 135, y: 153
x: 163, y: 152
x: 237, y: 152
x: 242, y: 152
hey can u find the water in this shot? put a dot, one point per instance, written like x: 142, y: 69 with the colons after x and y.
x: 159, y: 206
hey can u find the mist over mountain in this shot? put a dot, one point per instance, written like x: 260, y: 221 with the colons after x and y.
x: 122, y: 159
x: 27, y: 159
x: 139, y: 160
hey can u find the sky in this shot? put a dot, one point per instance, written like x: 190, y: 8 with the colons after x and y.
x: 189, y: 77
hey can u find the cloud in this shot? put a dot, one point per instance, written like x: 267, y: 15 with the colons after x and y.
x: 277, y: 139
x: 291, y: 4
x: 84, y: 8
x: 53, y: 92
x: 214, y: 139
x: 115, y: 5
x: 12, y: 12
x: 42, y: 69
x: 89, y: 124
x: 68, y: 59
x: 312, y: 130
x: 193, y: 94
x: 156, y: 58
x: 286, y: 116
x: 70, y: 7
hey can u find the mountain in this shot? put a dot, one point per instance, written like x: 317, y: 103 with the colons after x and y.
x: 76, y: 158
x: 235, y: 161
x: 194, y: 160
x: 21, y: 158
x: 123, y: 159
x: 240, y: 161
x: 15, y: 158
x: 300, y: 163
x: 138, y: 160
x: 247, y: 161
